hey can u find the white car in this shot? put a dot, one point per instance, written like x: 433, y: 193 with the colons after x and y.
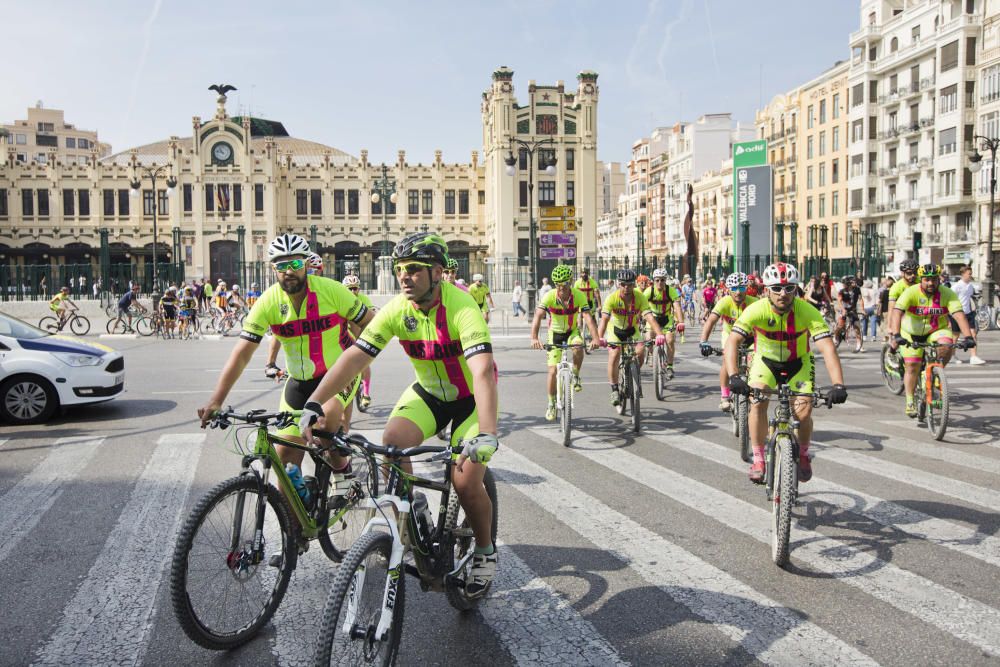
x: 41, y: 372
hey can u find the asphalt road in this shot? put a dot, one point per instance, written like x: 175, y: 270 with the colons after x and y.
x: 647, y: 549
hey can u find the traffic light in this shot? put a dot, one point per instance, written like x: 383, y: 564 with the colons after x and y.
x: 918, y: 241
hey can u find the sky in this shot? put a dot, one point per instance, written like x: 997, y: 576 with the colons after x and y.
x: 387, y: 75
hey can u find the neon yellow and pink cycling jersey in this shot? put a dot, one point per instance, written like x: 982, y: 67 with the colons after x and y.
x: 898, y: 288
x: 729, y: 311
x: 924, y: 314
x: 662, y: 301
x: 589, y: 288
x: 781, y: 337
x: 565, y: 315
x: 313, y: 337
x: 625, y: 316
x: 479, y: 292
x: 438, y: 342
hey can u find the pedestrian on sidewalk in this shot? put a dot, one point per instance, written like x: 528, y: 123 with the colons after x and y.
x: 515, y: 299
x: 869, y: 327
x: 965, y: 289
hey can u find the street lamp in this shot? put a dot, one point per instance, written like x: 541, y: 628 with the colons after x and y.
x: 530, y: 147
x: 975, y: 164
x: 384, y: 190
x: 640, y: 244
x: 152, y: 173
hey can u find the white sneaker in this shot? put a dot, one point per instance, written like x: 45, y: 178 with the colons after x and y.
x: 977, y: 361
x: 959, y: 361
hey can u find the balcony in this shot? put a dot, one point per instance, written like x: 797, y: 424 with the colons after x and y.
x: 891, y: 99
x: 869, y: 33
x: 989, y: 97
x: 933, y: 238
x: 909, y: 129
x: 927, y: 122
x: 963, y: 236
x: 790, y: 189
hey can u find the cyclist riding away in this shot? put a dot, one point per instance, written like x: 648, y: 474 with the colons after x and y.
x: 566, y: 305
x: 728, y: 309
x: 311, y: 317
x: 442, y: 330
x: 921, y: 315
x: 665, y: 301
x: 480, y: 291
x: 851, y: 303
x: 353, y: 283
x: 623, y: 309
x: 590, y: 289
x: 129, y: 300
x: 168, y: 310
x: 780, y: 326
x: 59, y: 303
x: 188, y: 308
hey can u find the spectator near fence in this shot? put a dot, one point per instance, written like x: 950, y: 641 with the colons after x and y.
x: 515, y: 299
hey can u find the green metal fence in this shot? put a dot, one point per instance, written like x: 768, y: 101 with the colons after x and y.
x: 34, y: 282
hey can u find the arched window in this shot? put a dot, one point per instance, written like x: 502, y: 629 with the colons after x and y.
x: 894, y: 45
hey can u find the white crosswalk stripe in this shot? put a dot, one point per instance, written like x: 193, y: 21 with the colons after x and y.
x: 966, y: 618
x: 768, y: 631
x: 29, y: 500
x: 107, y: 621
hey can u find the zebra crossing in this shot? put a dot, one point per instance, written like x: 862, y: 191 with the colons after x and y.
x: 880, y: 541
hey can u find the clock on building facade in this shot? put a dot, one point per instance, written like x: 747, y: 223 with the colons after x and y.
x: 222, y: 154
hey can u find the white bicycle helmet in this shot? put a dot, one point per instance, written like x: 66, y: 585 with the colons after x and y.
x: 236, y: 288
x: 287, y: 245
x: 780, y: 273
x: 352, y: 281
x: 314, y: 261
x: 659, y: 273
x: 477, y: 277
x: 253, y: 285
x: 738, y: 279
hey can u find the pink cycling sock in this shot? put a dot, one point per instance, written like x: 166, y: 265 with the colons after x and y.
x: 725, y: 392
x: 366, y: 386
x: 758, y: 453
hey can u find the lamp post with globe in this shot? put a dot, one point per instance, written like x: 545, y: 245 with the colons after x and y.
x: 975, y: 164
x: 152, y: 173
x: 384, y: 191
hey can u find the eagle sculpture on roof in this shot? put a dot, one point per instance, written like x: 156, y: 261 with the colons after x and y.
x: 222, y: 88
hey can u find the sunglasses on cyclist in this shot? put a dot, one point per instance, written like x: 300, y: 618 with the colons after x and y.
x: 738, y: 289
x: 354, y: 289
x: 410, y: 268
x: 289, y: 265
x: 787, y: 289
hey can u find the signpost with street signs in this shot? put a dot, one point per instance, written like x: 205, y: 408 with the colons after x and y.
x: 555, y: 244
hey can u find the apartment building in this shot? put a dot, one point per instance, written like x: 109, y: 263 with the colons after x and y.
x: 988, y: 125
x: 45, y: 136
x: 778, y: 123
x: 912, y: 79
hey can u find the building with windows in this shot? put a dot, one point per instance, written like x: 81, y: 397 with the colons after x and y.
x: 778, y: 123
x: 988, y: 125
x: 45, y: 135
x: 610, y: 240
x: 912, y: 80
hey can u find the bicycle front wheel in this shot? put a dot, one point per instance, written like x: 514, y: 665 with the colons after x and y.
x: 660, y: 373
x: 354, y: 607
x: 636, y: 391
x: 342, y: 521
x: 782, y: 499
x: 891, y: 365
x: 223, y: 589
x: 144, y: 326
x: 566, y: 421
x: 80, y: 325
x: 623, y: 389
x: 938, y: 405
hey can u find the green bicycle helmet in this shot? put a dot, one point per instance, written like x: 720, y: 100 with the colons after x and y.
x: 422, y: 247
x: 562, y: 274
x: 452, y: 264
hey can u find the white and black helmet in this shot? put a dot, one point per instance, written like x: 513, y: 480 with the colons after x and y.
x: 659, y: 273
x: 287, y: 245
x: 737, y: 279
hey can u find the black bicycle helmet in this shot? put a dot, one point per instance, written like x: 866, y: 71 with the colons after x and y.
x: 422, y: 247
x: 626, y: 276
x: 908, y: 265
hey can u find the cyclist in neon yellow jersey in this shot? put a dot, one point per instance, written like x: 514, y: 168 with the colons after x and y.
x: 908, y: 278
x: 590, y: 289
x: 623, y: 309
x: 442, y: 330
x: 566, y: 306
x: 781, y: 326
x: 353, y: 283
x: 728, y: 309
x: 311, y: 316
x: 665, y: 302
x: 480, y: 291
x: 921, y: 315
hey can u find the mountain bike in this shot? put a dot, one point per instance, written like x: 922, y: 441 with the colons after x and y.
x: 740, y: 410
x: 931, y: 394
x: 629, y: 382
x: 660, y: 372
x: 781, y: 456
x: 564, y: 388
x: 142, y: 324
x: 363, y: 617
x: 224, y: 585
x: 847, y: 332
x: 77, y: 323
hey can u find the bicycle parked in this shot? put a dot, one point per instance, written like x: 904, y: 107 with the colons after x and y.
x: 77, y: 323
x: 362, y: 620
x: 629, y: 383
x: 224, y: 584
x: 564, y: 388
x: 781, y: 456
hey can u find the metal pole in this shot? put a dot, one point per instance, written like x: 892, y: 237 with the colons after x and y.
x: 989, y: 240
x: 152, y: 176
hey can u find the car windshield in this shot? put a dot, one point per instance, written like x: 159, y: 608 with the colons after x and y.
x: 15, y: 328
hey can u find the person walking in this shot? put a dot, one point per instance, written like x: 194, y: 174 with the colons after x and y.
x: 965, y: 289
x: 515, y: 299
x: 869, y: 295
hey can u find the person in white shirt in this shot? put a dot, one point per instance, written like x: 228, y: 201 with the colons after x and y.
x: 544, y: 289
x: 516, y: 298
x: 965, y: 289
x: 870, y: 297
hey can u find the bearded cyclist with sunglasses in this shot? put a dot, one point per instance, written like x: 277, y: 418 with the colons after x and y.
x: 781, y: 325
x: 442, y: 330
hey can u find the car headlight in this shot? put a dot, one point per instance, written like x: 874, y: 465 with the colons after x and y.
x: 74, y: 359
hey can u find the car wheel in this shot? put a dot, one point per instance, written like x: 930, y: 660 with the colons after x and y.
x: 27, y: 399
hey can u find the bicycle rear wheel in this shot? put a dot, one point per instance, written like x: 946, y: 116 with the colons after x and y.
x: 566, y: 409
x: 938, y: 406
x: 460, y: 541
x: 116, y: 326
x: 891, y: 366
x: 354, y: 609
x: 636, y: 391
x: 80, y: 325
x: 49, y: 323
x: 782, y: 499
x: 223, y: 590
x: 660, y: 372
x: 742, y: 406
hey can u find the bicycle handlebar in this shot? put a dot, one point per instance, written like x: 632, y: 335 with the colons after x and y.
x: 561, y: 346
